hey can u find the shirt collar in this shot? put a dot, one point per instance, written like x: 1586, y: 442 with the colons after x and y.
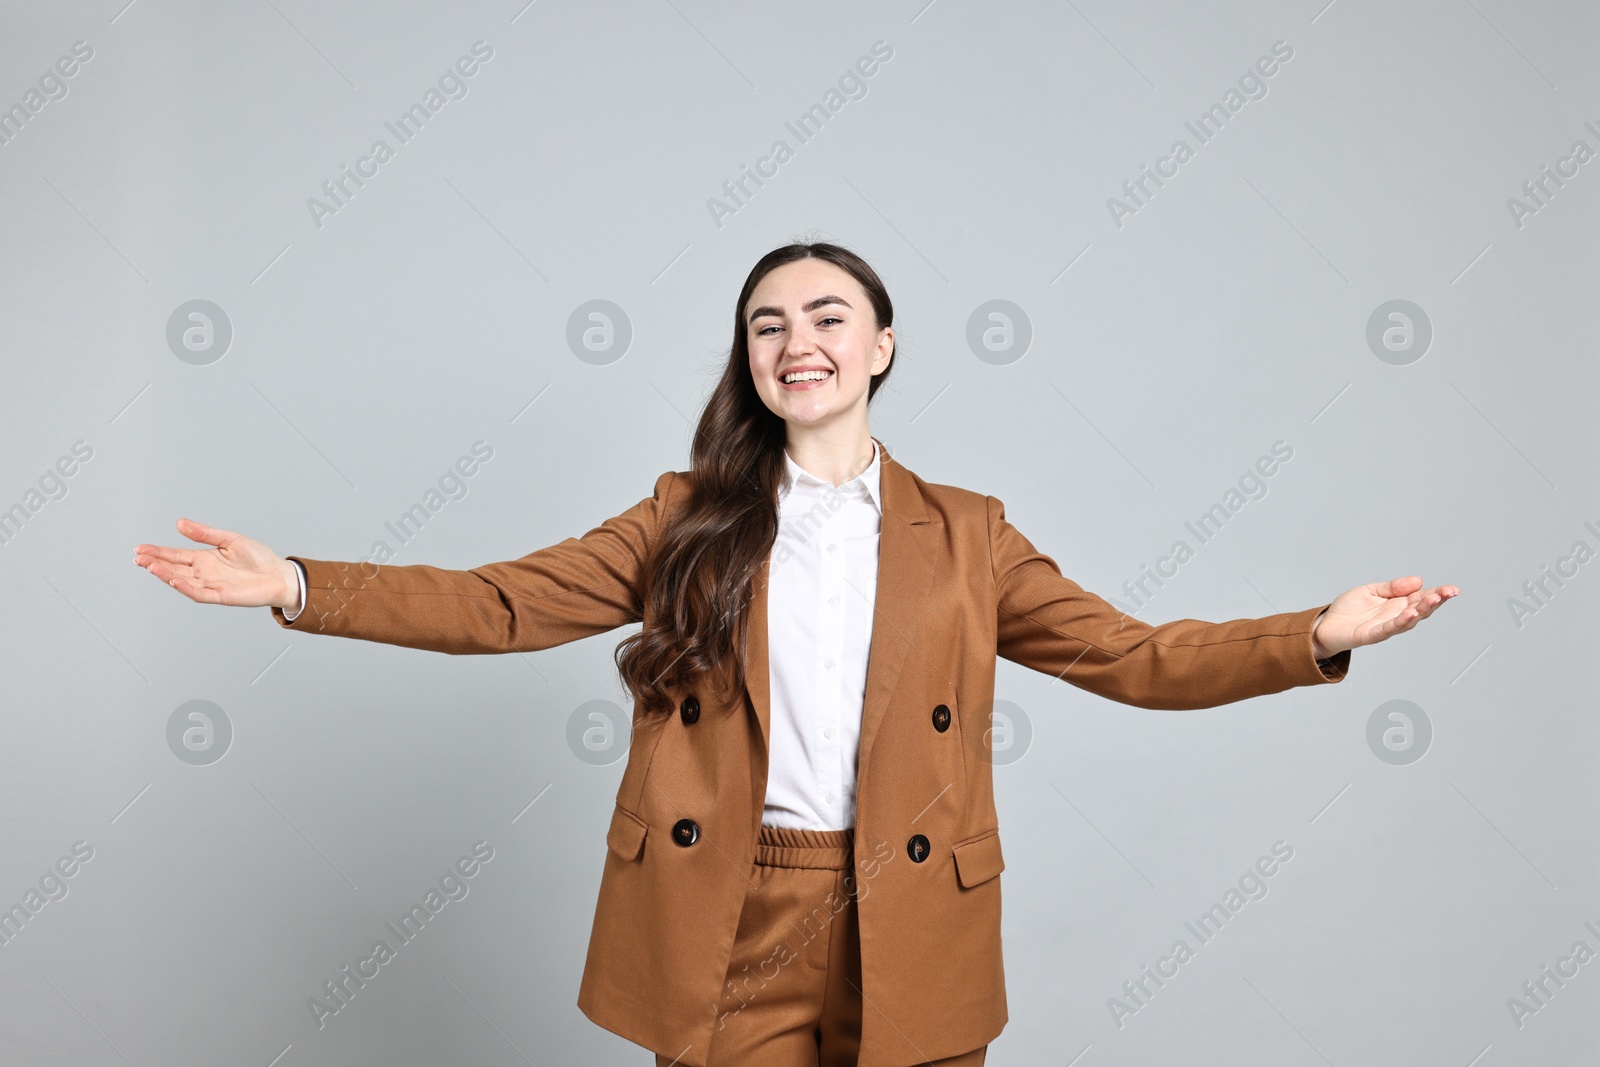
x: 868, y: 483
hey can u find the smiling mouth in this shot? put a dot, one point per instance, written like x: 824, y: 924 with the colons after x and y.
x: 801, y: 377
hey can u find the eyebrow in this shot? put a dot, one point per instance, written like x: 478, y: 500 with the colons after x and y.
x: 768, y: 309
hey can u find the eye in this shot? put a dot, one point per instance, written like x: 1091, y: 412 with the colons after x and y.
x: 832, y: 318
x: 764, y: 329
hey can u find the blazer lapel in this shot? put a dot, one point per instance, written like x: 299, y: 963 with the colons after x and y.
x: 907, y: 548
x: 755, y: 661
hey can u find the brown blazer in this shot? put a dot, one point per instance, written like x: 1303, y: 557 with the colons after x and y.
x: 958, y: 586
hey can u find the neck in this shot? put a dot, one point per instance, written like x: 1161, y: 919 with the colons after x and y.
x: 833, y: 454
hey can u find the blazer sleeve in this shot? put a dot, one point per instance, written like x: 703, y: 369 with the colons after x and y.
x: 577, y: 588
x: 1051, y: 624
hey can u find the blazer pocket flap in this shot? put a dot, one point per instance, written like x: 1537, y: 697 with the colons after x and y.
x: 626, y: 836
x: 979, y: 860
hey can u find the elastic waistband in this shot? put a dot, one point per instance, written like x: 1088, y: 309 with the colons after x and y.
x: 820, y: 850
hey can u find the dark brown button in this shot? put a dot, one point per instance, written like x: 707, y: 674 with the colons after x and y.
x: 689, y: 710
x: 918, y: 848
x: 941, y: 718
x: 685, y: 832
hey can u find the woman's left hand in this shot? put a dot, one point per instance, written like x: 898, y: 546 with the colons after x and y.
x: 1368, y: 614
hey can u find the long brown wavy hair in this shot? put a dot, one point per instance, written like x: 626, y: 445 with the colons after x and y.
x: 699, y: 577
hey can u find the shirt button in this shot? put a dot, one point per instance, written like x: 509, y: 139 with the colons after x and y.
x: 828, y: 664
x: 828, y: 732
x: 834, y: 599
x: 831, y: 546
x: 833, y: 798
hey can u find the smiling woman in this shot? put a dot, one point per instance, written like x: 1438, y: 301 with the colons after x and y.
x: 792, y: 342
x: 804, y: 307
x: 813, y: 686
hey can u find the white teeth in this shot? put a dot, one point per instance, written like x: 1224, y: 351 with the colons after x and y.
x: 806, y: 376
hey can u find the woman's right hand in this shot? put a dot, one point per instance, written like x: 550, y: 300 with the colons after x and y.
x: 239, y: 571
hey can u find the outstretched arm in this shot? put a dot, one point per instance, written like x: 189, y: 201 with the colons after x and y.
x: 1051, y: 624
x: 576, y: 588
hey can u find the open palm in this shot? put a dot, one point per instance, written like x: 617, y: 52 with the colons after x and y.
x: 1371, y: 613
x: 239, y: 571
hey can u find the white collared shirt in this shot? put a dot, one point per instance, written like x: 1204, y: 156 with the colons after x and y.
x: 822, y: 588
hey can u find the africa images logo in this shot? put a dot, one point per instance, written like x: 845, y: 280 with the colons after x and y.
x: 852, y: 85
x: 452, y: 86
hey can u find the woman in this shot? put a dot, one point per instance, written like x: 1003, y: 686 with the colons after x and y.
x: 803, y: 861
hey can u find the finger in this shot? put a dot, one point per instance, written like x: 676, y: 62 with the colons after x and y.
x: 1399, y: 624
x: 1444, y: 595
x: 1402, y: 621
x: 210, y: 535
x: 195, y: 591
x: 1398, y: 586
x: 166, y: 572
x: 1431, y: 603
x: 166, y: 575
x: 143, y: 554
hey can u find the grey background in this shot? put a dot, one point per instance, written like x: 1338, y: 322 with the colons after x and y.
x: 1167, y: 355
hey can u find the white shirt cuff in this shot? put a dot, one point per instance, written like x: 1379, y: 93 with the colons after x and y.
x: 300, y: 573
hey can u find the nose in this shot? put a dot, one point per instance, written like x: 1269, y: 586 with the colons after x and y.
x: 800, y: 342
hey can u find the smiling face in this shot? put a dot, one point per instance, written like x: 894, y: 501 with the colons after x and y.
x: 812, y: 315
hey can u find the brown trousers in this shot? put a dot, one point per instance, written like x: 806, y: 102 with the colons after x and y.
x: 793, y: 994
